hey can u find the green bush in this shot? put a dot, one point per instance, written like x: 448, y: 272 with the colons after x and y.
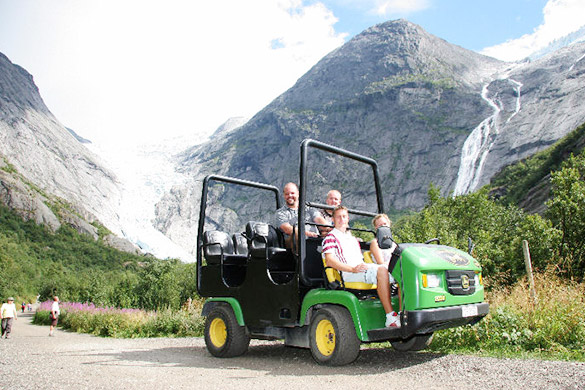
x: 566, y: 209
x: 497, y: 232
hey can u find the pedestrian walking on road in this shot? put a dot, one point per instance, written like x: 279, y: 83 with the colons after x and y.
x: 8, y: 312
x: 54, y: 315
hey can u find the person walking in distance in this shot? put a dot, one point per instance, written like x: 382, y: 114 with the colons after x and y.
x: 54, y: 315
x: 8, y: 312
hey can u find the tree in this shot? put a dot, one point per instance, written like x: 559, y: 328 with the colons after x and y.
x: 566, y: 209
x: 496, y: 230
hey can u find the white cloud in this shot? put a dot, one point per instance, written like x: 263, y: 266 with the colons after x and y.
x: 142, y: 68
x: 399, y: 7
x: 561, y: 17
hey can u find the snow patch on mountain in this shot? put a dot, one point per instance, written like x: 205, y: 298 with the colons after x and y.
x: 146, y: 171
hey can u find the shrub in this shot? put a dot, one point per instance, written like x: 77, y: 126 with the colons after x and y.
x: 127, y: 323
x: 566, y: 209
x: 497, y: 232
x: 552, y: 328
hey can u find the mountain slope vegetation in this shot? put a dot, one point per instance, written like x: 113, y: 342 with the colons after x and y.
x: 36, y: 262
x: 527, y: 182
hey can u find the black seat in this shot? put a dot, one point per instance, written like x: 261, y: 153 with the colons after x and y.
x: 218, y: 248
x: 240, y: 244
x: 266, y: 242
x: 216, y: 244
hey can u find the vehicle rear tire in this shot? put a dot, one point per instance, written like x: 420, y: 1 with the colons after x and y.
x: 224, y: 337
x: 333, y: 338
x: 417, y: 342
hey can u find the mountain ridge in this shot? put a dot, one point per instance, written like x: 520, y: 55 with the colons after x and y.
x: 46, y: 174
x: 404, y: 97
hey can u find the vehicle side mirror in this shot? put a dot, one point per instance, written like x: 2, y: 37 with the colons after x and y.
x: 384, y: 237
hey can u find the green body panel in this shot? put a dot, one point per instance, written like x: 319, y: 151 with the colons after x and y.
x: 367, y: 314
x: 233, y: 302
x: 417, y: 259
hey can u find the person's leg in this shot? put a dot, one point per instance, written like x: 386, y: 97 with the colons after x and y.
x: 8, y: 328
x: 384, y: 289
x: 3, y: 326
x: 384, y: 279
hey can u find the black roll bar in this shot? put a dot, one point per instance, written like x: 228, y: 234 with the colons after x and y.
x: 305, y: 145
x: 203, y: 209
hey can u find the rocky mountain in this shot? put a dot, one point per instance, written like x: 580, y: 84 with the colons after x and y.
x: 426, y: 110
x: 42, y: 163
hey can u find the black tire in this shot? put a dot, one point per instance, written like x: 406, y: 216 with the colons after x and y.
x: 418, y: 342
x: 333, y: 338
x: 224, y: 337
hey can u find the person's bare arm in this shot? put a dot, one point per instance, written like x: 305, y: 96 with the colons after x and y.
x: 332, y: 261
x: 376, y: 252
x: 286, y: 228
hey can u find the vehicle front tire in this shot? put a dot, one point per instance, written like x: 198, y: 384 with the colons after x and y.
x: 224, y: 337
x: 418, y: 342
x: 333, y: 338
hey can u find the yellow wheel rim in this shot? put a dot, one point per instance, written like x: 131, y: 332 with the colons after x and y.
x: 217, y: 332
x: 325, y: 337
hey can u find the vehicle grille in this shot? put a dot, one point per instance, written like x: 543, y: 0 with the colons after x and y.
x: 460, y: 282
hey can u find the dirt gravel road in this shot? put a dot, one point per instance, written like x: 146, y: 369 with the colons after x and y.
x: 32, y: 360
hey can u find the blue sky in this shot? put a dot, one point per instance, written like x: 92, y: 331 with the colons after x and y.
x: 471, y: 24
x: 146, y: 69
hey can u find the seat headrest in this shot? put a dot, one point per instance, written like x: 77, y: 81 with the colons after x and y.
x: 222, y: 243
x: 384, y: 237
x: 240, y: 244
x: 271, y: 236
x: 254, y: 229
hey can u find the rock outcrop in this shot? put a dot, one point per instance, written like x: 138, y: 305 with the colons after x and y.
x: 41, y: 162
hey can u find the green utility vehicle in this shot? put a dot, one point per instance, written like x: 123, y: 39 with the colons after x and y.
x: 256, y: 288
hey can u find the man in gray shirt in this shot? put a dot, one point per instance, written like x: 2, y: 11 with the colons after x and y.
x: 287, y: 216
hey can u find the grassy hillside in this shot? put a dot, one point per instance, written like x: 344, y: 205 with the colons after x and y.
x: 34, y: 260
x: 527, y: 182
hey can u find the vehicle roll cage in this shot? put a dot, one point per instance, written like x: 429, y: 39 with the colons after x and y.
x: 203, y: 209
x: 305, y: 276
x: 301, y: 244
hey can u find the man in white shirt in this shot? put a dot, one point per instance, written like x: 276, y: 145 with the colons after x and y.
x: 7, y: 313
x: 342, y: 252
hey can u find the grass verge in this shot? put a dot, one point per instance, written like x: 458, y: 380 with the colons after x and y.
x: 552, y: 328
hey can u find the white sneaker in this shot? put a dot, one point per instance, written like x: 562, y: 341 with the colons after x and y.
x: 392, y: 320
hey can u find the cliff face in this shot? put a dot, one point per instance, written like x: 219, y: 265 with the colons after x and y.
x: 426, y: 110
x: 41, y: 158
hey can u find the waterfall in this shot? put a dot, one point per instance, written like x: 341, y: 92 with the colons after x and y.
x: 476, y: 148
x: 517, y: 88
x: 478, y: 144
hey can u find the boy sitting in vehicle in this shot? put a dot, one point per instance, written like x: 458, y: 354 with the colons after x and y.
x: 381, y: 256
x: 342, y: 252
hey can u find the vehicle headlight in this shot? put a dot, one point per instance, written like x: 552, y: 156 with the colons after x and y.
x: 478, y: 279
x: 431, y: 280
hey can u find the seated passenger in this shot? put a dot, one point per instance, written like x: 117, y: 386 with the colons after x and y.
x: 342, y: 252
x: 333, y: 199
x: 381, y: 256
x: 287, y: 216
